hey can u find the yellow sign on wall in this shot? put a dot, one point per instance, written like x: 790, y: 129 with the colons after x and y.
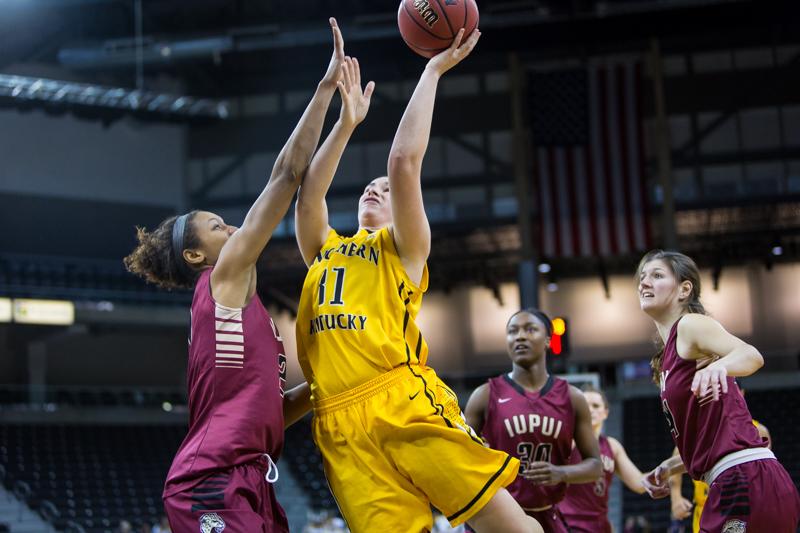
x: 49, y: 312
x: 5, y: 310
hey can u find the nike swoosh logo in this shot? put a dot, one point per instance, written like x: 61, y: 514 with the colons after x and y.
x: 503, y: 400
x: 410, y: 397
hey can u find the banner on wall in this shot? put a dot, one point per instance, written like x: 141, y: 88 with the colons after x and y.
x: 590, y: 164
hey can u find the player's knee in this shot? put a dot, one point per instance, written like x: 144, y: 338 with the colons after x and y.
x: 534, y: 525
x: 527, y: 525
x: 507, y: 524
x: 502, y: 514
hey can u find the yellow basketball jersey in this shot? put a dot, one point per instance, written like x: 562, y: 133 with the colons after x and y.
x: 357, y: 313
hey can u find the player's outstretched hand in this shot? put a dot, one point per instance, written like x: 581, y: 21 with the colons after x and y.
x: 444, y: 61
x: 656, y: 482
x: 544, y: 473
x: 709, y: 382
x: 355, y: 100
x: 334, y: 72
x: 681, y: 508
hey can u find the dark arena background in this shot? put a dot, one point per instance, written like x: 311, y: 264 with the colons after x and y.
x: 577, y: 136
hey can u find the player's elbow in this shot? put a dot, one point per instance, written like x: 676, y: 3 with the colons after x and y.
x: 758, y: 361
x: 289, y: 171
x: 754, y: 358
x: 423, y: 250
x: 292, y: 176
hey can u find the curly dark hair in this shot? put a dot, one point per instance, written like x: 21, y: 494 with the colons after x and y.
x: 153, y: 258
x: 683, y: 268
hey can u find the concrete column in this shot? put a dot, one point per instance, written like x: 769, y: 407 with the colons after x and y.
x: 37, y: 371
x: 527, y: 269
x: 669, y: 238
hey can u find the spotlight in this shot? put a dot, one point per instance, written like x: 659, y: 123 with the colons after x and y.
x: 552, y: 287
x: 544, y: 268
x: 777, y: 250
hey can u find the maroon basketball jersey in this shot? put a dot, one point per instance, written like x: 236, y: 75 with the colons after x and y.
x: 533, y: 426
x: 236, y: 373
x: 703, y: 430
x: 589, y: 501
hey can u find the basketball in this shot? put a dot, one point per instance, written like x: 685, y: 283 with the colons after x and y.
x: 429, y: 26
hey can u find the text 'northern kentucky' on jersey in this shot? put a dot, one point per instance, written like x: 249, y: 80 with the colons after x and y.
x: 357, y: 313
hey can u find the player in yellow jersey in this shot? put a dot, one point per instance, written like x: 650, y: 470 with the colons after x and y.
x: 391, y: 434
x: 681, y: 507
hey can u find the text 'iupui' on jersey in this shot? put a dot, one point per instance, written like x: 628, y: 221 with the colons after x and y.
x: 532, y: 426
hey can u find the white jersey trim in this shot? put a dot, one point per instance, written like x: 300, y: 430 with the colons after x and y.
x: 735, y: 459
x: 229, y: 336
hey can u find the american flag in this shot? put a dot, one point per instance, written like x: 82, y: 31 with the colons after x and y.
x: 590, y: 167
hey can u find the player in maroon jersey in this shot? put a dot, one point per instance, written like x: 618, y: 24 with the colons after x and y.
x: 534, y: 416
x: 222, y: 473
x: 585, y: 506
x: 705, y: 410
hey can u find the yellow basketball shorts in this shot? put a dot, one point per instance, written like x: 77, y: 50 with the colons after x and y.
x: 399, y: 443
x: 696, y: 514
x: 700, y: 497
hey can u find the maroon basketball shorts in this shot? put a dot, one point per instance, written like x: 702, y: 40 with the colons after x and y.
x: 236, y: 500
x: 551, y: 519
x: 753, y: 497
x: 586, y: 525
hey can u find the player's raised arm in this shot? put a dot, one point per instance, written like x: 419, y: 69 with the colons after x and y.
x: 412, y: 234
x: 246, y: 244
x: 311, y: 211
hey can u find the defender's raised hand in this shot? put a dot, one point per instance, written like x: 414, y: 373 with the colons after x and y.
x: 355, y: 100
x: 334, y: 72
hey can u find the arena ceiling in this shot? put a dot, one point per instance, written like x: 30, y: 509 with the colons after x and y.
x: 222, y: 48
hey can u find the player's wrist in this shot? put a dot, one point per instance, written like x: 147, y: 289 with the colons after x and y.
x: 431, y: 69
x: 669, y: 468
x: 719, y: 365
x: 347, y: 125
x: 326, y: 86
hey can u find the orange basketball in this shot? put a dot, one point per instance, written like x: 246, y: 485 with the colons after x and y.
x: 429, y: 26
